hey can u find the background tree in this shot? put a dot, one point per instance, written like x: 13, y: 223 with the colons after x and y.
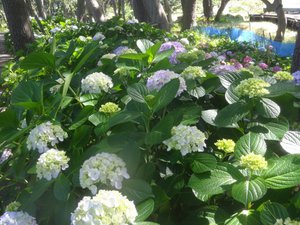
x: 18, y: 23
x: 40, y: 5
x: 151, y: 11
x: 80, y: 10
x: 95, y: 10
x: 207, y: 8
x: 277, y: 7
x: 296, y: 56
x: 188, y: 9
x: 221, y: 9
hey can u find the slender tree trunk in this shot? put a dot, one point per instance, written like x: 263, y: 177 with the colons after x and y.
x: 114, y: 5
x: 151, y: 11
x: 188, y: 8
x: 80, y: 10
x: 168, y: 11
x: 18, y: 23
x: 296, y: 56
x: 41, y: 8
x: 207, y: 9
x: 221, y: 9
x: 95, y: 10
x: 32, y: 13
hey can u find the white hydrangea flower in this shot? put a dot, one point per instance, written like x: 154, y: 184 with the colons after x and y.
x: 105, y: 168
x: 5, y: 155
x: 187, y: 139
x: 98, y: 36
x: 44, y: 135
x: 95, y: 83
x: 51, y: 163
x: 55, y: 30
x: 17, y: 218
x: 107, y: 207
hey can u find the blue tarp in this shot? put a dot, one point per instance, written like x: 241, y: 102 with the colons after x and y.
x: 281, y: 49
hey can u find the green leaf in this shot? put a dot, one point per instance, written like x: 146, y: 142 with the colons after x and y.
x: 230, y: 78
x: 85, y: 55
x: 220, y: 180
x: 144, y: 210
x: 291, y: 142
x: 82, y: 117
x: 123, y: 117
x: 248, y: 143
x: 283, y: 172
x: 144, y: 45
x: 89, y: 99
x: 163, y: 55
x: 232, y: 114
x: 27, y: 92
x: 271, y: 211
x: 137, y: 190
x: 98, y: 118
x: 38, y: 60
x: 231, y: 95
x: 8, y: 125
x: 246, y: 217
x: 281, y: 88
x: 81, y: 135
x: 202, y: 162
x: 166, y: 94
x: 138, y: 92
x: 146, y: 223
x: 134, y: 56
x: 267, y: 108
x: 197, y: 92
x: 248, y: 191
x: 62, y: 187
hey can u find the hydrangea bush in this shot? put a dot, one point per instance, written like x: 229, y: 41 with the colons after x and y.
x: 135, y: 138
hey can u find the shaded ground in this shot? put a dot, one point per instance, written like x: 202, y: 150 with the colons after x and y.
x: 4, y: 57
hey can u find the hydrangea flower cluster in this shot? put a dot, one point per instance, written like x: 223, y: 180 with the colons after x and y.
x: 95, y: 83
x: 44, y: 135
x: 186, y: 139
x: 223, y: 69
x: 253, y: 161
x: 179, y: 48
x: 107, y: 207
x: 296, y: 76
x: 263, y: 65
x: 162, y: 77
x: 257, y: 71
x: 193, y: 72
x: 5, y: 155
x: 286, y: 221
x: 283, y: 75
x: 17, y: 218
x: 109, y: 108
x: 13, y: 206
x: 119, y: 50
x: 98, y: 36
x: 187, y: 57
x: 103, y: 168
x: 252, y: 87
x: 227, y: 145
x: 276, y: 68
x: 51, y: 163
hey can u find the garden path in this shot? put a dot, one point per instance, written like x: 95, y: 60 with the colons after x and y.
x: 4, y: 57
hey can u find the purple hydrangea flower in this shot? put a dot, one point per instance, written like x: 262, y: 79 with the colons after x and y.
x: 223, y: 69
x: 276, y: 68
x: 296, y: 76
x: 263, y: 65
x: 262, y: 49
x: 162, y: 77
x: 119, y: 50
x: 179, y: 48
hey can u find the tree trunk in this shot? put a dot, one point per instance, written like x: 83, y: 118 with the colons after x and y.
x: 41, y: 8
x: 151, y: 11
x: 168, y: 11
x: 296, y: 56
x: 221, y: 9
x: 18, y: 23
x: 32, y: 13
x: 95, y: 10
x: 207, y: 9
x: 80, y: 10
x: 188, y: 9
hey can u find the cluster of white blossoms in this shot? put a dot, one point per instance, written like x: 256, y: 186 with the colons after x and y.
x: 51, y: 163
x: 186, y: 139
x: 95, y: 83
x: 17, y: 218
x: 44, y: 135
x: 103, y: 168
x: 107, y: 208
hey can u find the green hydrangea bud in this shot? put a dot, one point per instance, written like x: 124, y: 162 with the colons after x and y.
x: 187, y: 57
x: 252, y: 87
x: 192, y: 72
x: 253, y: 161
x: 227, y: 145
x: 257, y: 71
x: 123, y: 71
x: 13, y: 206
x: 283, y: 75
x: 109, y: 108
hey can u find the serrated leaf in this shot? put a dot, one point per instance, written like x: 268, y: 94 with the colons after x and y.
x: 98, y: 118
x: 229, y: 78
x: 163, y: 55
x: 267, y: 108
x: 137, y: 92
x: 248, y: 143
x: 144, y: 210
x: 202, y: 162
x: 62, y: 187
x: 248, y: 191
x: 246, y: 217
x: 144, y: 45
x: 38, y: 60
x: 231, y: 95
x: 291, y: 142
x: 271, y: 211
x: 137, y: 190
x: 197, y: 92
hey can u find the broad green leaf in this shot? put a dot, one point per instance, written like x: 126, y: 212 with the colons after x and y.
x: 137, y: 190
x: 165, y: 95
x: 35, y: 192
x: 85, y: 55
x: 68, y: 77
x: 123, y: 117
x: 89, y: 99
x: 61, y: 188
x: 283, y: 172
x: 229, y: 78
x: 271, y: 211
x: 218, y: 181
x: 267, y: 108
x: 291, y: 142
x: 248, y: 191
x: 82, y: 117
x: 144, y: 45
x: 144, y: 210
x: 138, y: 92
x: 248, y: 143
x: 98, y: 118
x: 8, y: 125
x: 81, y: 136
x: 232, y: 114
x: 38, y: 60
x: 202, y: 162
x: 231, y: 95
x: 163, y: 55
x: 134, y: 56
x: 197, y: 92
x: 281, y: 88
x: 27, y: 92
x: 246, y: 217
